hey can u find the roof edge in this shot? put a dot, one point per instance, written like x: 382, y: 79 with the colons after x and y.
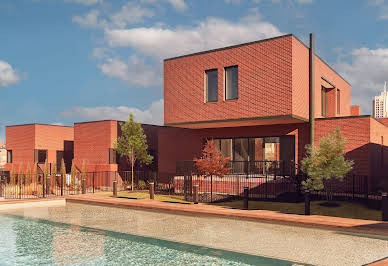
x: 228, y: 47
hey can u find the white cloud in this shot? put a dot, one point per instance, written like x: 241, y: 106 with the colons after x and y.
x: 135, y: 72
x: 161, y: 42
x: 130, y: 13
x: 178, y: 5
x: 8, y: 75
x: 85, y: 2
x: 90, y: 20
x: 152, y: 115
x: 366, y: 71
x: 235, y: 2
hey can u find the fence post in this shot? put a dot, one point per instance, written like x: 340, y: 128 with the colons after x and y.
x: 62, y: 177
x: 114, y: 188
x: 1, y: 186
x: 384, y: 206
x: 93, y: 182
x: 83, y: 185
x: 353, y: 190
x: 266, y: 181
x: 152, y: 190
x: 211, y: 188
x: 44, y: 185
x: 307, y: 202
x: 195, y: 198
x: 366, y: 188
x: 246, y: 198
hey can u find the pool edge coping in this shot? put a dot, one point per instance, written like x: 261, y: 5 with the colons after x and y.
x: 315, y: 221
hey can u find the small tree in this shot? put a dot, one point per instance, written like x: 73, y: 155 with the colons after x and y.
x: 133, y: 144
x: 20, y: 175
x: 28, y: 175
x: 46, y: 171
x: 325, y: 162
x: 212, y: 162
x: 73, y: 174
x: 34, y: 176
x: 12, y: 179
x: 63, y: 171
x: 53, y: 178
x: 84, y: 171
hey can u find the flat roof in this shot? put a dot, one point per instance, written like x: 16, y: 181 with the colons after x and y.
x: 41, y: 124
x: 248, y: 43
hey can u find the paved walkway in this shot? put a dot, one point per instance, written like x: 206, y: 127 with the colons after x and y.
x: 333, y: 223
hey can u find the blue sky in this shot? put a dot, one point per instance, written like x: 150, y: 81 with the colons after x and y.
x: 65, y: 61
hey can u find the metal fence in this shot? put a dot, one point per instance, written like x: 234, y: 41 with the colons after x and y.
x: 272, y: 180
x: 22, y: 186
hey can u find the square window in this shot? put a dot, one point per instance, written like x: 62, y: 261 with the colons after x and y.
x: 211, y: 85
x: 231, y: 83
x: 42, y: 156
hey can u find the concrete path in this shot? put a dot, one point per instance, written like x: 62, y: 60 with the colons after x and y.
x: 333, y: 223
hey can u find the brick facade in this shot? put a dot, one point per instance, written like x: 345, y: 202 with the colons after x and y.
x: 23, y: 140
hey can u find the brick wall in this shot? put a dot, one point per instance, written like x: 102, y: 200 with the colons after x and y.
x: 264, y: 70
x: 355, y: 110
x: 24, y: 139
x: 51, y: 138
x: 92, y: 141
x: 300, y: 79
x: 323, y: 70
x: 357, y: 133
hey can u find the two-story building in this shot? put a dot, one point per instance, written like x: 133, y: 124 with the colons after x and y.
x: 263, y: 100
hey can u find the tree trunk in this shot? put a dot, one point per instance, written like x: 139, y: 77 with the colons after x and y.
x: 132, y: 162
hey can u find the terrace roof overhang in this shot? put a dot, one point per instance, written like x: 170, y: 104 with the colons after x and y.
x: 242, y: 122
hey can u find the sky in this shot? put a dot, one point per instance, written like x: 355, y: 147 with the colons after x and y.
x: 66, y: 61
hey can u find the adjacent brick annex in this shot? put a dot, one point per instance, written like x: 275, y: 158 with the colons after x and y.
x: 24, y: 139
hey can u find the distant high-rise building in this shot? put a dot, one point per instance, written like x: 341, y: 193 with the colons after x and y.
x: 380, y: 104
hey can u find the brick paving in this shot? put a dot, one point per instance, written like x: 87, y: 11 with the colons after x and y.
x: 334, y: 223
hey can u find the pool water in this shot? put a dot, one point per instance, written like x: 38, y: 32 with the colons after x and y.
x: 40, y: 242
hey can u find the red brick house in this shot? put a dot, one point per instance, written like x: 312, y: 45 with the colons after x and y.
x: 37, y: 143
x: 254, y: 100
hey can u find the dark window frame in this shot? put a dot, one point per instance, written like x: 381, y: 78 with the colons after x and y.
x: 9, y: 156
x: 338, y: 101
x: 38, y: 156
x: 226, y: 83
x: 207, y: 98
x: 323, y: 101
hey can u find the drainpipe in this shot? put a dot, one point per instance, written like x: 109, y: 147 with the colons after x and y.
x: 311, y: 88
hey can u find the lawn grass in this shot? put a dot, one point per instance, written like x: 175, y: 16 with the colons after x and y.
x: 146, y: 195
x: 344, y: 209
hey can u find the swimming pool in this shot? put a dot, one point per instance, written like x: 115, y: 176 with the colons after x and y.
x: 35, y: 241
x: 55, y: 232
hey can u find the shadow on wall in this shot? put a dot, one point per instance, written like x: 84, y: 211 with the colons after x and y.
x: 371, y: 160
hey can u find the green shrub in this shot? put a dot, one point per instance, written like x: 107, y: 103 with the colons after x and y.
x: 141, y: 185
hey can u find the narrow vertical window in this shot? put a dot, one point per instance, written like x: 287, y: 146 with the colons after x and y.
x: 9, y: 156
x: 338, y: 101
x: 323, y: 102
x: 231, y: 83
x: 211, y: 85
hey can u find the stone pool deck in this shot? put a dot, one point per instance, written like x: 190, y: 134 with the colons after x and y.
x: 327, y: 222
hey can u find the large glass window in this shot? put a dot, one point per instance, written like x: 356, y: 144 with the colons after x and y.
x: 211, y: 85
x: 241, y: 149
x: 231, y: 82
x: 226, y: 148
